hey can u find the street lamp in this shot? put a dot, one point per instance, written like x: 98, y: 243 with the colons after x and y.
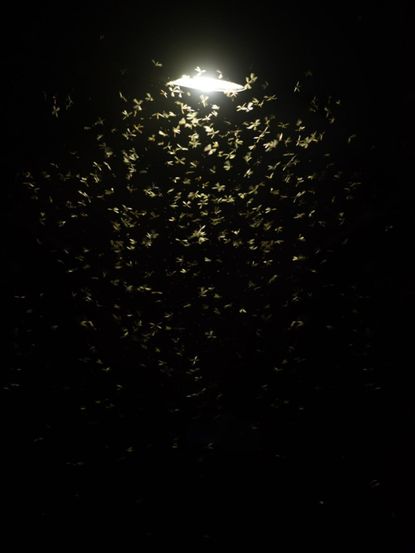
x: 207, y: 84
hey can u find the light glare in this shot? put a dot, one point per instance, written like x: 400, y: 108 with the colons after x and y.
x: 207, y: 84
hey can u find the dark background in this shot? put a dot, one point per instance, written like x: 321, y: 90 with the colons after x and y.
x: 360, y: 53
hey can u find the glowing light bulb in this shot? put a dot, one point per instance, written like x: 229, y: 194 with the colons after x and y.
x: 207, y: 84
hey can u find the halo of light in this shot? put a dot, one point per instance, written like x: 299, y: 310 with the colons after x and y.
x: 207, y: 84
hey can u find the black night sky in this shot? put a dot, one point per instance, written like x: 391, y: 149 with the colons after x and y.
x: 209, y: 300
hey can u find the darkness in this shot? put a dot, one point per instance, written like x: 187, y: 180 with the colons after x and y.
x: 331, y: 463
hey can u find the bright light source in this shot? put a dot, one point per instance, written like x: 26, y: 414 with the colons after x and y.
x: 207, y: 84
